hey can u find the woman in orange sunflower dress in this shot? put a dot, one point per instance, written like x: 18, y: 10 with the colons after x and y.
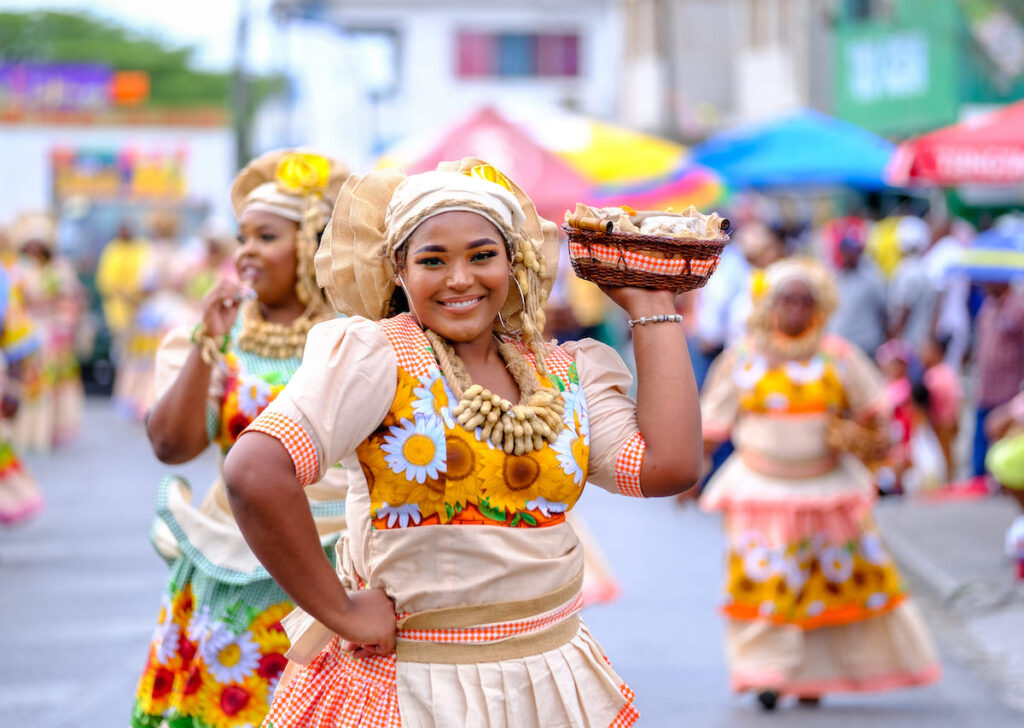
x: 457, y: 597
x: 218, y: 648
x: 814, y: 603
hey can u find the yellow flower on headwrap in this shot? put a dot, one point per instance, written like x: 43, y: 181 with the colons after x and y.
x: 758, y: 285
x: 303, y: 174
x: 490, y: 173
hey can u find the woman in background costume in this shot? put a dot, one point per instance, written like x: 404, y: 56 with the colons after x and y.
x: 51, y: 412
x: 218, y: 649
x: 20, y: 498
x: 814, y: 603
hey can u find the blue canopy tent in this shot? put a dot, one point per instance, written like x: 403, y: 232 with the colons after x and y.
x: 801, y: 149
x: 996, y: 255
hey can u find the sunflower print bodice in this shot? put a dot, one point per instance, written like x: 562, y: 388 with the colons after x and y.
x: 251, y: 383
x: 789, y: 387
x: 422, y: 468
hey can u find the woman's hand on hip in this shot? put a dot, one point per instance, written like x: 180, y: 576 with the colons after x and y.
x: 370, y: 625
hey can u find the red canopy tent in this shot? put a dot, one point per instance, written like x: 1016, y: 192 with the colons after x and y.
x: 553, y: 186
x: 988, y: 149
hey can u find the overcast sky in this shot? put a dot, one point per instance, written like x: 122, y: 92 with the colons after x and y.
x: 209, y: 25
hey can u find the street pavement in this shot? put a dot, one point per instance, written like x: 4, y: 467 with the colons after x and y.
x: 81, y: 589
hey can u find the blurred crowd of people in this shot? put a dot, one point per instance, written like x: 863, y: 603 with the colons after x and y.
x: 150, y: 284
x: 147, y: 284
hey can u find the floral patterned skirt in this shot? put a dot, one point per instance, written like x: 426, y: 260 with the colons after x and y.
x: 813, y: 600
x: 216, y: 653
x: 218, y: 648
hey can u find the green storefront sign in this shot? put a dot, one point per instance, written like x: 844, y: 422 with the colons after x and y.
x: 900, y: 76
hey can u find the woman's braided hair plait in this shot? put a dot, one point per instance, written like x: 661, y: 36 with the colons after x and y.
x: 306, y: 243
x: 528, y: 267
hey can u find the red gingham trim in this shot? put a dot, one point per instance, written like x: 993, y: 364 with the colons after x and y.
x: 295, y: 440
x: 628, y: 715
x: 498, y: 630
x: 340, y: 691
x: 412, y: 348
x: 638, y: 261
x: 627, y: 466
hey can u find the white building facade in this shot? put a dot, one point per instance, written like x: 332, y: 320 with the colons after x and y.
x: 371, y: 72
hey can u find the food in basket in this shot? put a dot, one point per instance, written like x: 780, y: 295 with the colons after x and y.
x: 618, y: 246
x: 868, y: 441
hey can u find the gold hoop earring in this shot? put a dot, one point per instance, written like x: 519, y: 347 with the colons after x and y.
x: 505, y: 328
x: 521, y: 298
x: 408, y: 299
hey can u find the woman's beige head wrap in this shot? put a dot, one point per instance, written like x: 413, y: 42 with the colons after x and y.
x: 422, y: 196
x: 767, y: 285
x: 34, y: 226
x: 299, y: 186
x: 375, y: 215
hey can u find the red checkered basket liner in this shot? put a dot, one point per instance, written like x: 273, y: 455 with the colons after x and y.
x: 638, y: 261
x: 645, y: 261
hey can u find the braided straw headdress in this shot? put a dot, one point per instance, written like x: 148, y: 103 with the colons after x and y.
x: 356, y: 265
x: 300, y: 186
x: 34, y: 226
x: 766, y: 286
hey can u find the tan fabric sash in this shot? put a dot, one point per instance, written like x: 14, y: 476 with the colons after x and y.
x: 475, y: 616
x: 507, y: 648
x: 797, y: 469
x: 512, y: 648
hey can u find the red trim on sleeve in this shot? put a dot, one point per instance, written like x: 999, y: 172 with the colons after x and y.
x: 627, y: 466
x: 295, y: 440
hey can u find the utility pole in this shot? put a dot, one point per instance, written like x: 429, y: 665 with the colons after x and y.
x: 240, y: 88
x: 665, y: 40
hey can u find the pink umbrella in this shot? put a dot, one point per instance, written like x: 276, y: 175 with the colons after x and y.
x: 988, y: 149
x: 550, y: 182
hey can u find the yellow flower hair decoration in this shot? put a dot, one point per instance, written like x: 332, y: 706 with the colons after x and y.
x: 758, y: 285
x: 303, y: 174
x: 490, y: 173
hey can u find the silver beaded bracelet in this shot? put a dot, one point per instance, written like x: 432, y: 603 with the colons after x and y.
x: 656, y: 319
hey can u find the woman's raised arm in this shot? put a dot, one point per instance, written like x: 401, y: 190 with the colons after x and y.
x: 667, y: 406
x: 176, y: 424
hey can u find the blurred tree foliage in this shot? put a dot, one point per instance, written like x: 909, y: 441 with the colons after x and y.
x: 61, y: 37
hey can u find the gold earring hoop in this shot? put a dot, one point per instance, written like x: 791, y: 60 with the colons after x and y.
x: 522, y: 298
x: 505, y: 328
x: 408, y: 299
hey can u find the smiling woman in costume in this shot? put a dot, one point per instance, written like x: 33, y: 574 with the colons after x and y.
x: 467, y: 439
x: 218, y: 649
x: 814, y: 603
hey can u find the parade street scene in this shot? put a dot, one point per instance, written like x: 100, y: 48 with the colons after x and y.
x: 534, y: 364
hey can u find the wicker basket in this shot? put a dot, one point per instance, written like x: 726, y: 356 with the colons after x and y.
x: 624, y: 259
x: 869, y: 442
